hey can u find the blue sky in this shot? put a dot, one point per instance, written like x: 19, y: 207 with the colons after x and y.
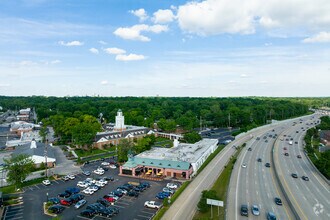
x: 167, y: 48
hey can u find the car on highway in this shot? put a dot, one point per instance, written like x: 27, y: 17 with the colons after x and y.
x: 286, y: 154
x: 244, y: 165
x: 80, y: 204
x: 267, y: 164
x: 46, y: 182
x: 259, y: 160
x: 305, y: 178
x: 266, y: 141
x: 271, y: 216
x: 299, y: 156
x: 244, y: 210
x: 284, y: 148
x: 249, y: 149
x: 57, y: 209
x: 255, y: 210
x: 294, y: 175
x: 278, y: 201
x: 171, y: 186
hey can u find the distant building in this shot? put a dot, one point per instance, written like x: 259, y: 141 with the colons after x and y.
x: 26, y: 137
x: 115, y: 133
x: 24, y: 114
x: 20, y: 127
x: 180, y: 161
x: 37, y: 151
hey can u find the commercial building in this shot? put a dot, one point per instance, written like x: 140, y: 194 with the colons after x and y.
x: 37, y: 151
x: 180, y: 161
x: 116, y: 132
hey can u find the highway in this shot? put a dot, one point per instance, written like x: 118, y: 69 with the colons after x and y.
x: 256, y: 184
x: 311, y: 199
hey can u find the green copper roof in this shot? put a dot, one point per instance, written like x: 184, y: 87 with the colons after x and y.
x: 169, y: 164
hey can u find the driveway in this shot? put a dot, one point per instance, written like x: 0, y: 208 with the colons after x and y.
x: 63, y: 165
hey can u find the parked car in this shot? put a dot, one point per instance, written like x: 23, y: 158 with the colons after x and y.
x: 171, y: 186
x: 110, y: 178
x: 146, y: 184
x: 57, y: 209
x: 112, y: 166
x: 46, y: 182
x: 103, y: 202
x: 76, y: 197
x: 117, y: 193
x: 105, y: 163
x: 88, y: 191
x: 152, y: 204
x: 64, y: 194
x: 133, y: 193
x: 278, y: 201
x: 168, y: 190
x: 66, y: 202
x: 114, y: 210
x: 65, y: 178
x: 111, y: 194
x: 105, y: 212
x: 89, y: 213
x: 255, y: 210
x: 71, y: 177
x: 80, y: 204
x: 244, y: 210
x: 86, y: 173
x: 98, y: 172
x: 54, y: 200
x: 72, y: 190
x: 124, y: 191
x: 109, y: 198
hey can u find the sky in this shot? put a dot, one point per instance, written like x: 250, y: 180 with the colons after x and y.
x: 210, y: 48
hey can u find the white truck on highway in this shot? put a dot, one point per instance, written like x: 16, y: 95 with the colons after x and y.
x: 290, y: 142
x: 152, y: 204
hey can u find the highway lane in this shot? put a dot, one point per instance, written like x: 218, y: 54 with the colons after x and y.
x: 310, y: 198
x: 255, y: 184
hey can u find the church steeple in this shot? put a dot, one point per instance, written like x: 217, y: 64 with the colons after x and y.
x: 120, y: 121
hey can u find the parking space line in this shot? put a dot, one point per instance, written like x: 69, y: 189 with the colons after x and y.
x: 30, y: 188
x: 79, y: 216
x: 147, y: 217
x: 119, y: 206
x: 56, y: 182
x: 37, y: 186
x: 17, y: 218
x: 151, y: 213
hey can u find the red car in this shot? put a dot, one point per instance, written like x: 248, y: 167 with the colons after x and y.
x: 109, y: 198
x: 66, y: 202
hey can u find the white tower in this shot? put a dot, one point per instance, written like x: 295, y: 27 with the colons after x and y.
x: 120, y: 121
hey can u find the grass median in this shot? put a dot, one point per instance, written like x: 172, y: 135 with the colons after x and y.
x: 220, y: 187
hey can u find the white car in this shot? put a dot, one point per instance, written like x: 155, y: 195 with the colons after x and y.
x: 98, y: 172
x: 152, y: 204
x: 112, y: 166
x: 46, y: 182
x: 71, y: 176
x: 100, y: 169
x: 80, y: 203
x: 171, y: 186
x: 103, y: 181
x: 99, y: 184
x: 105, y: 163
x: 244, y: 165
x: 88, y: 191
x: 90, y: 180
x: 82, y: 184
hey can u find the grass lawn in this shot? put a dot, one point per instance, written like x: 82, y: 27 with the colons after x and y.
x: 94, y: 151
x: 11, y: 188
x: 220, y: 186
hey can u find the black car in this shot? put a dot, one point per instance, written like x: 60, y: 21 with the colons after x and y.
x: 267, y: 164
x: 110, y: 178
x: 72, y: 190
x: 105, y: 168
x: 64, y: 194
x: 97, y: 207
x: 76, y: 197
x: 114, y: 210
x: 54, y: 200
x: 147, y: 184
x: 56, y: 209
x: 294, y: 175
x: 244, y: 210
x: 103, y: 202
x: 278, y: 201
x: 117, y: 193
x: 128, y: 185
x: 105, y: 212
x: 89, y: 213
x: 259, y: 160
x: 249, y: 149
x: 137, y: 189
x: 305, y: 178
x: 124, y: 187
x: 133, y: 193
x: 286, y: 154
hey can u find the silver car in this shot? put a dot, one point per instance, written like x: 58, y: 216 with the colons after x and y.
x: 80, y: 203
x: 255, y: 210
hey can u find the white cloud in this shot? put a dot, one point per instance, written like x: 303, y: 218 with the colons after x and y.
x: 114, y: 50
x: 243, y: 75
x: 322, y: 37
x: 5, y: 85
x: 94, y: 50
x: 212, y: 17
x: 27, y: 63
x: 104, y: 82
x: 130, y: 57
x: 103, y: 42
x: 163, y: 16
x: 55, y: 61
x: 140, y: 13
x: 70, y: 44
x: 134, y: 32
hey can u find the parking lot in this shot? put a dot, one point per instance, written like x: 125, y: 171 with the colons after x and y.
x: 130, y: 207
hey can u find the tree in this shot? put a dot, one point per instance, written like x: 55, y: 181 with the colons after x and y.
x: 192, y: 137
x: 125, y: 146
x: 18, y: 167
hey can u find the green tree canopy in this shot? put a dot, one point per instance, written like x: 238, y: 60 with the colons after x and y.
x: 18, y: 167
x: 192, y: 137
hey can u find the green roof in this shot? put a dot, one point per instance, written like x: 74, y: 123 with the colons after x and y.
x: 169, y: 164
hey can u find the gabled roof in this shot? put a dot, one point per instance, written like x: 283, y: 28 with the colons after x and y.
x: 38, y: 151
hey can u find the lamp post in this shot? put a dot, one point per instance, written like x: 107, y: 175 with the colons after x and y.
x: 47, y: 196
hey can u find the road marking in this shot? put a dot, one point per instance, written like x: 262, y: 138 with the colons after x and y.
x: 151, y: 213
x: 147, y: 217
x: 37, y: 186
